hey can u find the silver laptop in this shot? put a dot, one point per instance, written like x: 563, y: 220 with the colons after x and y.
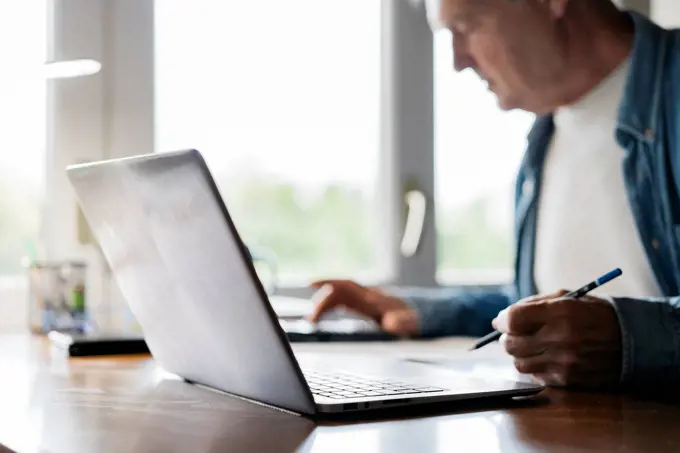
x: 179, y: 261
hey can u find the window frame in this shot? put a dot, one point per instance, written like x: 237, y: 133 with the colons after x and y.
x: 113, y: 115
x: 103, y: 116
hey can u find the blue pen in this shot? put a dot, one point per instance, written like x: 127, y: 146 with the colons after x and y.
x: 609, y: 276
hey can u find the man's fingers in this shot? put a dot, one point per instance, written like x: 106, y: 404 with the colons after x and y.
x: 343, y: 286
x: 557, y: 368
x: 522, y: 346
x: 526, y: 316
x: 522, y: 319
x: 532, y: 299
x: 533, y: 365
x: 342, y: 293
x: 543, y: 297
x: 550, y: 379
x: 325, y: 303
x: 338, y: 283
x: 320, y: 283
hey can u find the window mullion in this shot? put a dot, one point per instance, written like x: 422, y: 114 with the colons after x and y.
x: 407, y: 136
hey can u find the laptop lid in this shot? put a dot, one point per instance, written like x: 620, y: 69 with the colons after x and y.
x: 179, y: 262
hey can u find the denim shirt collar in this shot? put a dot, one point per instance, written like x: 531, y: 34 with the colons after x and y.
x: 638, y: 111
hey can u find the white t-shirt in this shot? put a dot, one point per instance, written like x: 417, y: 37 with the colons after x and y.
x: 585, y: 225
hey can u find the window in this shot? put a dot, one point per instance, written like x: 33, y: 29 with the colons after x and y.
x: 22, y: 137
x: 478, y: 149
x: 283, y: 103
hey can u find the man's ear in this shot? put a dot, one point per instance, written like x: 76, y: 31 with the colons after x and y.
x: 558, y: 8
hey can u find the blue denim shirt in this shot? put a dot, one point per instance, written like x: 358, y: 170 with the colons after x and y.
x: 648, y: 132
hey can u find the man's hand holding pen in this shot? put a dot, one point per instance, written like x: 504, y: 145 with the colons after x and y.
x: 563, y: 341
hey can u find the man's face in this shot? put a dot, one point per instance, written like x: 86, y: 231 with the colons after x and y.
x: 511, y: 44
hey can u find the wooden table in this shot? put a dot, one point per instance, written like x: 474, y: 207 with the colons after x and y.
x: 49, y: 403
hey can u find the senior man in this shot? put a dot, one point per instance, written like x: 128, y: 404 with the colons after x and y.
x: 598, y: 189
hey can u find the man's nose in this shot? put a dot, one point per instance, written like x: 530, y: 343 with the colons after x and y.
x: 462, y: 60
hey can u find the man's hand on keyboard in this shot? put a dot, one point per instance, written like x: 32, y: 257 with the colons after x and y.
x: 392, y: 314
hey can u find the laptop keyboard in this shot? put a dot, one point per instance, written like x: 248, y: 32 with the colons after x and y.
x: 344, y: 385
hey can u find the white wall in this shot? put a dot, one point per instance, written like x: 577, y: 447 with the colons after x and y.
x: 642, y: 6
x: 666, y: 12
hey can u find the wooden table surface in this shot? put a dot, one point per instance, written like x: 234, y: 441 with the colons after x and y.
x: 49, y: 403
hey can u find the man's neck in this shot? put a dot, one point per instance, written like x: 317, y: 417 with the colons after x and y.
x: 596, y: 47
